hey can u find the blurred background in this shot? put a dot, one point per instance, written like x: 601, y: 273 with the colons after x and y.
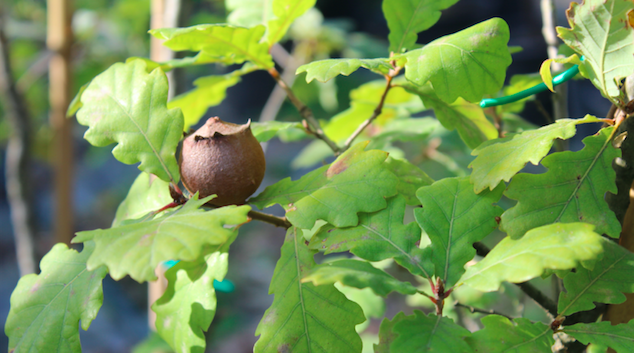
x: 104, y: 32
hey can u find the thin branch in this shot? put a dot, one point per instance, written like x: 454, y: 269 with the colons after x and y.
x: 312, y: 123
x: 538, y: 296
x: 481, y: 311
x: 375, y: 114
x: 267, y: 218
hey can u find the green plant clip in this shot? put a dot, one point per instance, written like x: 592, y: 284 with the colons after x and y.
x: 557, y: 80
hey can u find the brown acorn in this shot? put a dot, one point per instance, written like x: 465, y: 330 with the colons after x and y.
x: 224, y: 159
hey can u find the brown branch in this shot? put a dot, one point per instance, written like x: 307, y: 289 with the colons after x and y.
x: 17, y: 162
x: 474, y: 310
x: 305, y: 112
x: 375, y: 114
x: 267, y: 218
x: 538, y: 296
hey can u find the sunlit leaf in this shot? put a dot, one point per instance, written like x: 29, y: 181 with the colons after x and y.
x: 357, y: 181
x: 618, y: 337
x: 558, y: 246
x: 410, y: 179
x: 324, y: 70
x: 422, y: 333
x: 209, y: 92
x: 46, y: 308
x: 604, y: 283
x: 186, y: 309
x: 285, y: 11
x: 378, y: 236
x: 576, y: 184
x: 467, y: 118
x: 357, y: 274
x: 601, y: 30
x: 147, y: 194
x: 136, y: 249
x: 412, y: 129
x: 467, y: 64
x: 305, y: 317
x: 501, y: 159
x: 128, y: 106
x: 269, y: 129
x: 227, y: 43
x: 406, y: 18
x: 248, y: 13
x: 454, y: 218
x: 519, y: 336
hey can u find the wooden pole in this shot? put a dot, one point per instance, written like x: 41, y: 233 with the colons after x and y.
x: 59, y: 40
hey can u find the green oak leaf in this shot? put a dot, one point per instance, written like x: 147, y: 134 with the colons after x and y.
x: 305, y: 317
x: 269, y: 129
x: 127, y: 105
x: 324, y: 70
x: 411, y: 178
x: 387, y: 334
x: 378, y: 236
x: 357, y: 274
x: 468, y: 118
x: 499, y: 160
x: 199, y: 59
x: 412, y: 129
x: 517, y: 84
x: 248, y: 13
x: 285, y: 12
x: 76, y: 104
x: 503, y: 335
x: 559, y: 246
x: 601, y: 31
x: 188, y: 306
x: 46, y: 308
x: 468, y: 64
x: 357, y: 181
x: 576, y: 184
x: 422, y: 333
x: 618, y: 337
x: 406, y: 18
x: 454, y: 218
x: 604, y: 283
x: 228, y: 44
x: 136, y: 249
x: 147, y: 194
x: 209, y: 92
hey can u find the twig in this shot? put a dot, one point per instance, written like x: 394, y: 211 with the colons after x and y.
x: 375, y: 114
x: 17, y: 162
x: 274, y: 220
x: 305, y: 112
x: 481, y: 311
x: 540, y: 298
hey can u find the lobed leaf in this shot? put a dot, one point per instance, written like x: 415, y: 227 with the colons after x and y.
x: 411, y: 178
x: 357, y: 181
x: 519, y: 336
x: 127, y: 105
x: 559, y: 246
x: 248, y: 13
x: 618, y: 337
x: 604, y: 283
x: 576, y: 184
x: 422, y: 333
x: 228, y: 44
x: 147, y: 194
x: 501, y: 159
x: 454, y: 218
x: 357, y: 274
x: 467, y: 118
x: 286, y: 12
x: 188, y: 306
x: 269, y: 129
x: 412, y: 129
x: 407, y: 18
x: 324, y: 70
x: 378, y: 236
x: 46, y: 308
x: 387, y: 334
x: 209, y: 92
x: 468, y: 64
x: 303, y: 317
x: 601, y: 31
x: 136, y: 249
